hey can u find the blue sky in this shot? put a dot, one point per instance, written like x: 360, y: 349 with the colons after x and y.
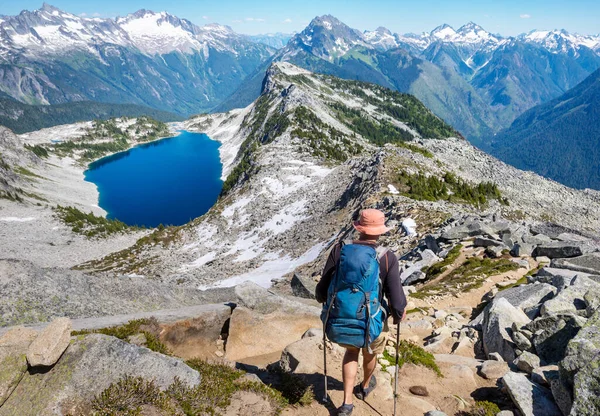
x: 507, y: 17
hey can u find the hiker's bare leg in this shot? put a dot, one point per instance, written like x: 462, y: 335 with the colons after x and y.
x: 369, y: 364
x: 349, y: 370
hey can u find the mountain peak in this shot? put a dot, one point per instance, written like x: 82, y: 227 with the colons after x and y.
x: 443, y: 32
x: 49, y: 8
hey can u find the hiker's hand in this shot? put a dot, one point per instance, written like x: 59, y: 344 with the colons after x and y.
x: 397, y: 321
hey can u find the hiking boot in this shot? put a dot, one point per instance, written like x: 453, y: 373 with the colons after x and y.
x: 362, y: 393
x: 345, y: 410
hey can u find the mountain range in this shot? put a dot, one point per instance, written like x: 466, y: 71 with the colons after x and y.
x: 477, y: 81
x: 558, y: 139
x: 48, y: 56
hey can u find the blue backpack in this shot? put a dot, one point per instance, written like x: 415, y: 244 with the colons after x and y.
x: 353, y: 314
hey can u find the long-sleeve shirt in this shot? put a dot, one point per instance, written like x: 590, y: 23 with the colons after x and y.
x: 389, y: 275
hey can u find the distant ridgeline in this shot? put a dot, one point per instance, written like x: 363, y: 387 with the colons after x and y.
x: 22, y: 118
x: 558, y: 139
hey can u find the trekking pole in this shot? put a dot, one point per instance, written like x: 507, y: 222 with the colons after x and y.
x: 396, y: 370
x: 325, y: 398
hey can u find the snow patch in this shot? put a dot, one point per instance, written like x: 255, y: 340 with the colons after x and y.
x: 17, y: 219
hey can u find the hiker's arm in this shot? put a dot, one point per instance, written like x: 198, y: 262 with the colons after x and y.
x: 394, y: 291
x: 328, y: 270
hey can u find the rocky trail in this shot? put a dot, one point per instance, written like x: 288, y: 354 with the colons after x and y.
x: 512, y: 334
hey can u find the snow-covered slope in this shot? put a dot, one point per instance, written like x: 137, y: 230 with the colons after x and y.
x: 558, y: 41
x: 50, y: 30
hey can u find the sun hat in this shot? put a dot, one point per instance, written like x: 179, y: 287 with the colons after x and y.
x: 371, y: 222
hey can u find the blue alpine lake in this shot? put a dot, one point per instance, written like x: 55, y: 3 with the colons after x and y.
x: 169, y: 181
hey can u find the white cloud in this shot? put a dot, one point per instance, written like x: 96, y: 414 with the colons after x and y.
x: 205, y: 17
x: 525, y: 16
x: 83, y: 14
x: 237, y: 21
x: 254, y: 19
x: 288, y: 20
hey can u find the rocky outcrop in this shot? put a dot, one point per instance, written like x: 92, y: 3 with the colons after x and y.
x: 264, y: 323
x: 88, y: 366
x: 13, y: 360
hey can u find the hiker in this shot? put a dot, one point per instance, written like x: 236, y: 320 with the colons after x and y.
x: 354, y: 281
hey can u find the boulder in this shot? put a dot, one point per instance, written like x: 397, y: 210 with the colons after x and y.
x: 13, y: 361
x: 571, y: 298
x: 530, y: 398
x: 536, y: 239
x: 303, y: 287
x: 51, y: 342
x: 521, y: 249
x: 313, y: 332
x: 195, y: 335
x: 558, y: 249
x: 495, y: 251
x: 432, y: 244
x: 486, y: 242
x: 559, y: 278
x: 468, y: 229
x: 252, y: 333
x: 552, y: 334
x: 527, y: 362
x: 587, y: 263
x: 580, y: 369
x: 412, y: 276
x: 304, y: 356
x: 543, y: 375
x: 435, y: 413
x: 91, y: 364
x: 521, y: 341
x: 261, y: 300
x: 419, y: 391
x: 493, y: 370
x: 497, y: 328
x: 528, y: 297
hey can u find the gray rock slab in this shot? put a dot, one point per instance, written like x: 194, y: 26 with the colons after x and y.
x: 527, y: 296
x: 261, y: 300
x: 497, y: 328
x: 558, y: 249
x: 559, y: 278
x: 551, y: 335
x: 587, y: 263
x: 521, y: 249
x: 530, y: 398
x: 550, y: 229
x: 468, y: 229
x: 432, y: 244
x: 486, y: 242
x: 88, y: 366
x: 303, y: 286
x: 543, y: 375
x: 571, y: 298
x: 527, y: 362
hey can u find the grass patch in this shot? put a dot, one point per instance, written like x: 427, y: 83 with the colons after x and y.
x: 438, y: 268
x: 469, y: 276
x: 481, y: 408
x: 416, y: 149
x: 89, y: 224
x: 409, y: 352
x: 147, y: 326
x: 519, y: 282
x: 26, y: 172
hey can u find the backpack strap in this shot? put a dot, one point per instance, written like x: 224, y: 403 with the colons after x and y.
x: 381, y: 253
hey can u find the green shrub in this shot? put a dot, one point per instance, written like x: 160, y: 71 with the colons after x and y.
x: 38, y: 150
x: 438, y: 268
x: 409, y: 352
x: 89, y: 224
x: 481, y: 408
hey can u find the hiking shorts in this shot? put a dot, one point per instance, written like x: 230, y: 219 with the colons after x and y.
x: 378, y: 345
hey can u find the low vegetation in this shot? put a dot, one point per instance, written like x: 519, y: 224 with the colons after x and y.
x: 38, y: 150
x: 438, y: 268
x: 109, y: 136
x: 450, y: 188
x: 147, y: 326
x: 481, y: 408
x: 409, y: 352
x: 469, y: 276
x: 218, y: 384
x: 89, y: 224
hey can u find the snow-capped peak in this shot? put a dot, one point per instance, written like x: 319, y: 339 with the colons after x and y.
x: 561, y: 40
x: 381, y: 38
x: 50, y: 31
x: 444, y: 32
